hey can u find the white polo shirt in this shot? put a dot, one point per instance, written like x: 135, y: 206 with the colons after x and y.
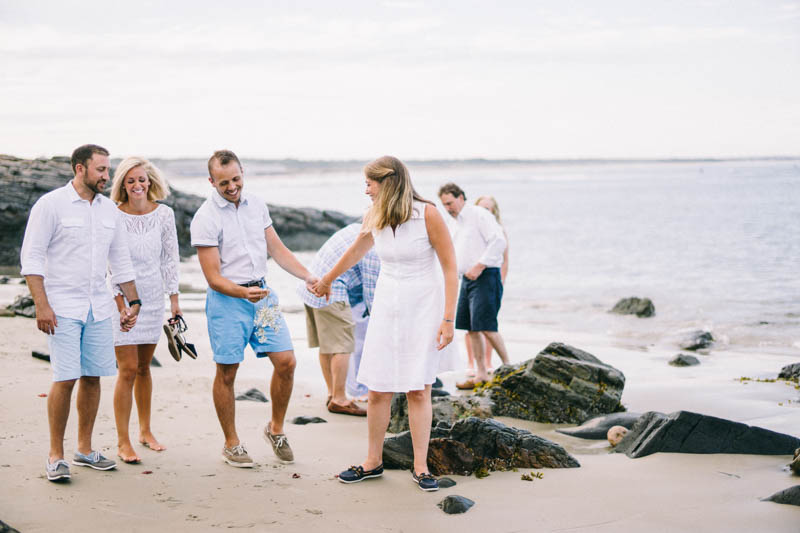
x: 477, y: 238
x: 72, y: 243
x: 238, y: 232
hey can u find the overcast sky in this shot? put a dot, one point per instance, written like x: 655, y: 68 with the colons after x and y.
x: 348, y: 79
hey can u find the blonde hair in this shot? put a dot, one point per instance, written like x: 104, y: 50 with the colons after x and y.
x: 394, y: 202
x: 158, y: 190
x: 495, y: 210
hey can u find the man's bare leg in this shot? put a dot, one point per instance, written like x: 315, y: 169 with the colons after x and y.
x: 225, y: 403
x: 57, y: 414
x: 499, y: 345
x: 476, y: 340
x: 280, y: 387
x: 88, y: 402
x: 339, y: 363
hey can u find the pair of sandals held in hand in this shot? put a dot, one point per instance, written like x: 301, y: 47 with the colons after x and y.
x: 176, y: 342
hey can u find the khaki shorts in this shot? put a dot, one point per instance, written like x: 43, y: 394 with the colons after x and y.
x: 331, y: 328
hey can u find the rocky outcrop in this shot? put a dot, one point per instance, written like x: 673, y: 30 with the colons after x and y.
x: 683, y: 359
x: 561, y: 384
x: 687, y: 432
x: 597, y: 428
x: 697, y: 340
x: 641, y: 307
x: 447, y: 409
x: 790, y: 372
x: 23, y: 181
x: 790, y: 496
x: 473, y: 445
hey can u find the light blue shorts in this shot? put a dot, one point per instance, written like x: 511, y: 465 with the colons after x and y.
x: 82, y: 348
x: 232, y: 325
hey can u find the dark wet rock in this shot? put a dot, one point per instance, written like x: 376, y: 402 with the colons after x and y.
x: 561, y: 384
x: 23, y: 306
x: 5, y: 528
x: 438, y: 393
x: 437, y: 384
x: 687, y: 432
x: 23, y: 181
x: 454, y: 504
x: 477, y: 445
x: 41, y: 355
x: 790, y: 496
x: 155, y: 363
x: 303, y: 420
x: 597, y: 428
x: 446, y: 482
x: 4, y: 280
x: 641, y: 307
x: 446, y: 409
x: 253, y: 395
x: 790, y: 372
x: 683, y: 359
x: 23, y: 281
x: 794, y: 466
x: 697, y: 340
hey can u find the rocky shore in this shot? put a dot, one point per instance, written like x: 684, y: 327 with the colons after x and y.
x: 23, y: 181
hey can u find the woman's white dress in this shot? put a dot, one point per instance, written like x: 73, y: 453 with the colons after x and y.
x: 153, y: 243
x: 400, y: 347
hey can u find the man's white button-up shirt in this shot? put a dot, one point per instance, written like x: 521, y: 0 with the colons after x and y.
x: 238, y: 232
x: 477, y: 238
x: 71, y: 243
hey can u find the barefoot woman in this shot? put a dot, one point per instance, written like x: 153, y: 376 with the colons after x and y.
x: 153, y: 244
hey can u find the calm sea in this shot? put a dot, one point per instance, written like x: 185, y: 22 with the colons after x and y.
x: 715, y: 245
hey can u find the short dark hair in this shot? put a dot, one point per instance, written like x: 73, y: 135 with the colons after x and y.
x: 452, y: 188
x: 224, y: 158
x: 84, y: 153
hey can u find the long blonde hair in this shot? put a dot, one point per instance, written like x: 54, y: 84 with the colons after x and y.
x: 495, y: 210
x: 394, y: 202
x: 158, y: 189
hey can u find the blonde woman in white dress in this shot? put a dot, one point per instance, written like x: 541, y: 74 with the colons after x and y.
x: 411, y: 325
x: 153, y: 243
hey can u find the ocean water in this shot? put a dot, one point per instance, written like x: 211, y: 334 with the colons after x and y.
x: 715, y: 245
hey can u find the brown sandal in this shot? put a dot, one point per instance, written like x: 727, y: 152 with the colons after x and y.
x: 349, y: 408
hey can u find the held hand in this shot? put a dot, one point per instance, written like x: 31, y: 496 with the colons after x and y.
x: 256, y: 294
x: 311, y: 280
x: 46, y: 320
x: 474, y: 272
x: 322, y: 288
x: 127, y: 318
x: 445, y: 335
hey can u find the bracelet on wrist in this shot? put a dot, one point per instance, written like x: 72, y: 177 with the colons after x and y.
x: 446, y: 320
x: 137, y: 301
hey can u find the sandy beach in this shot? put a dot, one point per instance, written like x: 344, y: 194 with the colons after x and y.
x: 189, y: 488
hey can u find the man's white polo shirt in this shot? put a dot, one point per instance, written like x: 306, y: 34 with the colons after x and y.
x: 477, y: 238
x: 72, y: 243
x: 239, y: 234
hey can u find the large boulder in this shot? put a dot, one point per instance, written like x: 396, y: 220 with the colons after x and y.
x: 641, y: 307
x: 561, y: 384
x: 790, y: 496
x: 478, y: 445
x: 447, y: 409
x: 23, y: 181
x: 790, y: 372
x: 687, y: 432
x: 597, y: 428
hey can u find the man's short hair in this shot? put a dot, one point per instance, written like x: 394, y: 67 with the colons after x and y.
x: 452, y: 188
x: 223, y: 158
x: 82, y: 154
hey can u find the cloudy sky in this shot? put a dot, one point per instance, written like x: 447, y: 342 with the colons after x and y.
x: 434, y: 79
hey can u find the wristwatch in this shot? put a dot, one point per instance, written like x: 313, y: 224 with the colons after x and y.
x: 137, y: 301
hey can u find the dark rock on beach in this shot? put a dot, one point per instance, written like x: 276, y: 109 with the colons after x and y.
x: 790, y: 372
x: 446, y: 409
x: 641, y: 307
x: 454, y: 504
x: 23, y: 306
x: 697, y: 340
x: 687, y: 432
x: 794, y: 466
x: 253, y: 395
x: 684, y: 360
x: 476, y: 445
x: 303, y: 420
x: 446, y: 482
x: 561, y: 384
x: 790, y: 496
x: 155, y: 363
x: 40, y: 355
x: 5, y: 528
x: 4, y: 280
x: 438, y: 393
x: 597, y: 428
x: 23, y: 181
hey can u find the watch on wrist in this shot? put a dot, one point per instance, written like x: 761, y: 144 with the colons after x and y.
x: 137, y: 301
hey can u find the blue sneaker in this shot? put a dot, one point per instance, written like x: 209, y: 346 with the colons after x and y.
x: 425, y: 481
x: 94, y: 460
x: 354, y: 474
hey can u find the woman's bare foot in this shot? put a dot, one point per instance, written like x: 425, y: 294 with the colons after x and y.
x: 149, y: 441
x: 127, y: 454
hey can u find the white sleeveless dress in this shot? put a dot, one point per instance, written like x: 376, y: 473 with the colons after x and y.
x: 400, y: 347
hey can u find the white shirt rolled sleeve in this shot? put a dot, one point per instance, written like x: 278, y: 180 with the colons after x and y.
x: 477, y: 238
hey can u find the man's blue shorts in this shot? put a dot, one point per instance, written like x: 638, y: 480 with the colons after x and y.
x: 479, y: 301
x: 82, y: 348
x: 233, y: 323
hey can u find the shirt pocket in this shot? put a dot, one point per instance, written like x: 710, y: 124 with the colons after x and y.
x: 74, y: 229
x: 107, y: 228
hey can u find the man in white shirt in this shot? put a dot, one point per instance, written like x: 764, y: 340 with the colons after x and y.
x: 72, y: 237
x: 479, y: 242
x: 233, y: 234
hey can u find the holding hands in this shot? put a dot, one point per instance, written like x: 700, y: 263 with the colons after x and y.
x: 128, y: 316
x: 321, y: 288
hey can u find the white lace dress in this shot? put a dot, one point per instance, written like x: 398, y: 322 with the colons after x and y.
x: 153, y: 243
x: 400, y: 347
